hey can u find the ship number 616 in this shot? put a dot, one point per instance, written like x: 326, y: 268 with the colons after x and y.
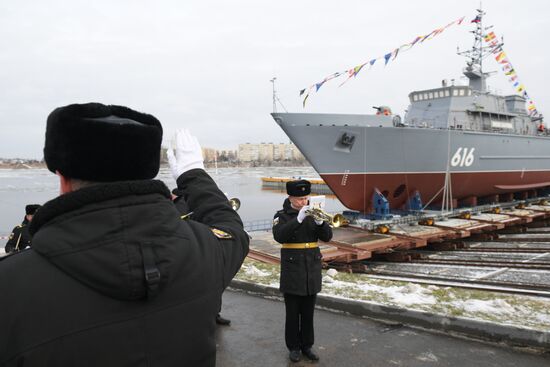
x: 463, y: 157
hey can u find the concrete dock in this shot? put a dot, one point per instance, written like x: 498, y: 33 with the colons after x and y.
x: 256, y: 338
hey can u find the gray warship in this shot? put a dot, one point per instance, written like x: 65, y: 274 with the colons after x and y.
x: 459, y: 142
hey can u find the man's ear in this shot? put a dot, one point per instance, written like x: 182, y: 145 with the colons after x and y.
x: 65, y: 184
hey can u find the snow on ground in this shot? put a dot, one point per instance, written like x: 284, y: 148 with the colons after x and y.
x: 522, y: 311
x: 495, y: 306
x: 252, y: 270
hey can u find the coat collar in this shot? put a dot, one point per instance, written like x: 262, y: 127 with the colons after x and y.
x: 93, y: 194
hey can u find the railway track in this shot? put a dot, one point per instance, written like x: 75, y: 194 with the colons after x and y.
x: 517, y: 281
x: 492, y: 264
x: 530, y: 290
x: 517, y: 264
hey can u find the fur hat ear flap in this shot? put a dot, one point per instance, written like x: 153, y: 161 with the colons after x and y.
x: 102, y: 143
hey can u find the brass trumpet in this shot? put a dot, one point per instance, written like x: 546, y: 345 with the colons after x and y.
x: 336, y: 220
x: 235, y: 203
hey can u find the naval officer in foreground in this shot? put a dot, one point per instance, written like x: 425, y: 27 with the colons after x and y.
x: 114, y: 276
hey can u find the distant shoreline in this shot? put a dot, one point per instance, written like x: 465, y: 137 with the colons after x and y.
x: 35, y: 165
x: 22, y: 165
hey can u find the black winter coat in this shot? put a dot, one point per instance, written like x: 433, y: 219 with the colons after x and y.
x: 19, y: 237
x: 116, y: 278
x: 300, y: 268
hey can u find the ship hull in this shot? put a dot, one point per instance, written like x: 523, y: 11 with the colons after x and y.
x: 355, y: 190
x: 356, y: 155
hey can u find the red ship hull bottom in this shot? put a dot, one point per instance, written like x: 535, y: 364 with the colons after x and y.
x: 355, y: 190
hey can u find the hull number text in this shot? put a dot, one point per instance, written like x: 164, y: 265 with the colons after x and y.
x: 463, y: 157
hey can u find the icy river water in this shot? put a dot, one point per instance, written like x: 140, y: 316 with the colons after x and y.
x: 19, y: 187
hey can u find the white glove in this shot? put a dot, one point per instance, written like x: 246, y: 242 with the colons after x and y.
x: 188, y: 153
x: 302, y: 214
x: 319, y: 222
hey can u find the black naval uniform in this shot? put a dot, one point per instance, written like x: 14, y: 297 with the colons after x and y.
x: 300, y: 273
x: 19, y: 237
x: 116, y: 278
x: 186, y: 214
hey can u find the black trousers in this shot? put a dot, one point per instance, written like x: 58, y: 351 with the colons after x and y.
x: 299, y: 321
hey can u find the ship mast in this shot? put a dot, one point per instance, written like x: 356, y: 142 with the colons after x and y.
x: 474, y: 65
x: 274, y: 94
x: 275, y: 97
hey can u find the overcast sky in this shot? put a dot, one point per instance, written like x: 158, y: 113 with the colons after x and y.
x: 206, y: 65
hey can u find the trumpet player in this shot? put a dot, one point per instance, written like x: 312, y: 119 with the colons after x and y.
x: 300, y: 267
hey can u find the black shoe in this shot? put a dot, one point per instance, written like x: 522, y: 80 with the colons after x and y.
x: 310, y: 354
x: 294, y: 355
x: 221, y: 321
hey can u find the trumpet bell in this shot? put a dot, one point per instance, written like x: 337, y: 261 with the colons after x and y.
x: 338, y: 220
x: 235, y: 203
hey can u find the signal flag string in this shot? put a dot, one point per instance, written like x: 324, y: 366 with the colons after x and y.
x: 390, y: 56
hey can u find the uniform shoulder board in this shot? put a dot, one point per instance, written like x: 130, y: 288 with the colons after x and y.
x: 221, y: 234
x: 276, y: 221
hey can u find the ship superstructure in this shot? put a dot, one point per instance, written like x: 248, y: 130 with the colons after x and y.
x: 461, y: 140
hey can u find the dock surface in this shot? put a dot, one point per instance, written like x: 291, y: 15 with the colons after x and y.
x: 256, y: 338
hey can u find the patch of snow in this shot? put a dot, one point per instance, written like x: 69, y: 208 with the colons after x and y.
x: 543, y: 319
x: 408, y: 296
x: 332, y: 272
x: 252, y: 270
x: 427, y: 357
x: 497, y: 306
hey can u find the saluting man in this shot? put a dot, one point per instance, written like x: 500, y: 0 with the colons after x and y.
x: 20, y: 238
x: 300, y: 267
x: 119, y: 278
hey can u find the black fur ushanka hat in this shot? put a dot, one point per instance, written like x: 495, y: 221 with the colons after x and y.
x: 298, y: 188
x: 96, y: 142
x: 31, y: 209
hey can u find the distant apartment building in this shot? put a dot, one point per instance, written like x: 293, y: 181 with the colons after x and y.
x: 248, y: 152
x: 209, y: 154
x: 269, y: 152
x: 263, y: 152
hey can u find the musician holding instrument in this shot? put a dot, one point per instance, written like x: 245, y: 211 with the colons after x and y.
x: 298, y: 232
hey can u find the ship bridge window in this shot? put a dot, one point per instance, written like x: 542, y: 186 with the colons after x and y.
x: 415, y: 97
x: 455, y: 92
x: 420, y: 97
x: 461, y: 93
x: 430, y: 95
x: 425, y: 95
x: 447, y: 93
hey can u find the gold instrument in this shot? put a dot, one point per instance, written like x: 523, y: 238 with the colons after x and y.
x: 235, y: 203
x: 336, y: 220
x: 186, y: 216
